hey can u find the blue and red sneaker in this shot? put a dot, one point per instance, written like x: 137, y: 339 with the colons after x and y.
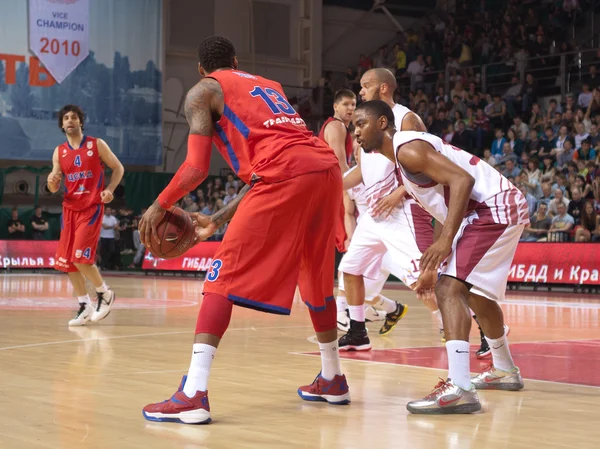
x: 334, y: 391
x: 180, y: 408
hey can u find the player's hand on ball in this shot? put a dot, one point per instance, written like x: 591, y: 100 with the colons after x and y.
x: 386, y: 205
x: 205, y: 227
x: 106, y: 196
x: 149, y: 222
x: 432, y: 259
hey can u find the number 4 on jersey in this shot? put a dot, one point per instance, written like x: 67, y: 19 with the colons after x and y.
x: 77, y: 162
x: 276, y: 102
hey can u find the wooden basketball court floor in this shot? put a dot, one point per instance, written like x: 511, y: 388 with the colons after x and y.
x: 85, y: 387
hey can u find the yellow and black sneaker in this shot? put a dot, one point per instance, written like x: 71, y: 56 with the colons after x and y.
x: 391, y: 319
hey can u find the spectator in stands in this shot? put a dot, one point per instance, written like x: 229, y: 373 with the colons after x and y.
x: 507, y: 154
x: 590, y: 224
x: 562, y: 224
x: 529, y: 93
x: 594, y: 135
x: 231, y: 194
x: 536, y: 118
x: 415, y: 72
x: 576, y: 205
x: 39, y: 224
x: 110, y: 257
x: 581, y: 134
x: 546, y: 195
x: 189, y: 205
x: 533, y: 178
x: 512, y: 96
x: 498, y: 144
x: 559, y: 198
x: 462, y: 138
x: 516, y: 143
x: 482, y: 129
x: 510, y: 169
x: 232, y: 181
x: 16, y: 228
x: 439, y: 126
x: 496, y: 111
x: 520, y: 128
x: 585, y: 97
x: 487, y: 157
x: 540, y: 223
x: 140, y: 249
x: 585, y: 152
x: 565, y: 156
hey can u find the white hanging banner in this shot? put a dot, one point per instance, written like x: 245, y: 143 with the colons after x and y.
x: 59, y: 34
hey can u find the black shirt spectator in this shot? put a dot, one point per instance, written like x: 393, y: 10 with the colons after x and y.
x: 440, y: 124
x: 576, y: 205
x: 16, y: 228
x: 39, y: 225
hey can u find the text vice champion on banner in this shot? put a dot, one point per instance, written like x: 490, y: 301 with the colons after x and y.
x: 58, y: 34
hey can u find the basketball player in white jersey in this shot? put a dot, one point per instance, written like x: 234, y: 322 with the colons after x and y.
x: 357, y: 202
x: 483, y: 216
x: 387, y: 217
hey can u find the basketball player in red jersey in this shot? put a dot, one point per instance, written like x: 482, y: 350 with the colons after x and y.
x: 283, y: 232
x: 81, y: 159
x: 335, y: 129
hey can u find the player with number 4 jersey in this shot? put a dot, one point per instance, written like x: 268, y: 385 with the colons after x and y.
x: 80, y: 160
x: 283, y: 231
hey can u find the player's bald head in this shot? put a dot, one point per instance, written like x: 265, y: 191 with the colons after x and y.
x: 378, y: 84
x: 385, y: 76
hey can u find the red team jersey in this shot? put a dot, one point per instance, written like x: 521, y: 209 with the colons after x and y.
x: 348, y: 138
x: 81, y: 221
x: 260, y: 135
x: 83, y: 173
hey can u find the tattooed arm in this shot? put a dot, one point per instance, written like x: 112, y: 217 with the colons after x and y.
x: 412, y: 122
x: 203, y: 106
x: 207, y: 225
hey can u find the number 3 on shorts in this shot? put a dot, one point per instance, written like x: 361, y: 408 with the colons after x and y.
x: 213, y: 274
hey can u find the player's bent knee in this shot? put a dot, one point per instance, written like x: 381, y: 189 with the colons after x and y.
x: 324, y: 320
x: 448, y: 287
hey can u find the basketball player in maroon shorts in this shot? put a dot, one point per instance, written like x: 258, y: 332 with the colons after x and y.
x: 282, y: 234
x: 81, y: 160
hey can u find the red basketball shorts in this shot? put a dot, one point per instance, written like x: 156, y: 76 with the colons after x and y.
x: 282, y: 235
x: 79, y: 235
x: 340, y: 231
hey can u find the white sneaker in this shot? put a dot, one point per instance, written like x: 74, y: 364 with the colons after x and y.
x: 84, y: 314
x: 105, y: 303
x: 371, y: 314
x: 343, y: 321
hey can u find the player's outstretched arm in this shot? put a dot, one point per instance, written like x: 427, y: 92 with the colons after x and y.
x: 55, y: 175
x: 349, y: 217
x: 109, y: 158
x: 203, y: 105
x: 418, y: 156
x: 335, y: 136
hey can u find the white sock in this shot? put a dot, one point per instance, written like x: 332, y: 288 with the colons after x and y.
x: 357, y: 313
x: 501, y: 354
x: 386, y: 304
x: 84, y: 299
x: 103, y: 288
x: 197, y: 379
x: 330, y: 360
x: 438, y: 315
x: 341, y: 303
x: 459, y: 363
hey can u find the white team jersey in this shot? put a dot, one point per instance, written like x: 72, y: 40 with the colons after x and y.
x: 357, y: 194
x: 378, y: 172
x: 494, y: 198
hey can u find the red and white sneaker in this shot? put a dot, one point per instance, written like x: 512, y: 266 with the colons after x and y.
x: 180, y: 408
x: 333, y: 391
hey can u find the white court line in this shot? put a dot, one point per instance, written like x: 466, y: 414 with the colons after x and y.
x: 49, y: 343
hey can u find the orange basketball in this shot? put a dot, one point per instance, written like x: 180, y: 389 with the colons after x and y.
x: 175, y: 233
